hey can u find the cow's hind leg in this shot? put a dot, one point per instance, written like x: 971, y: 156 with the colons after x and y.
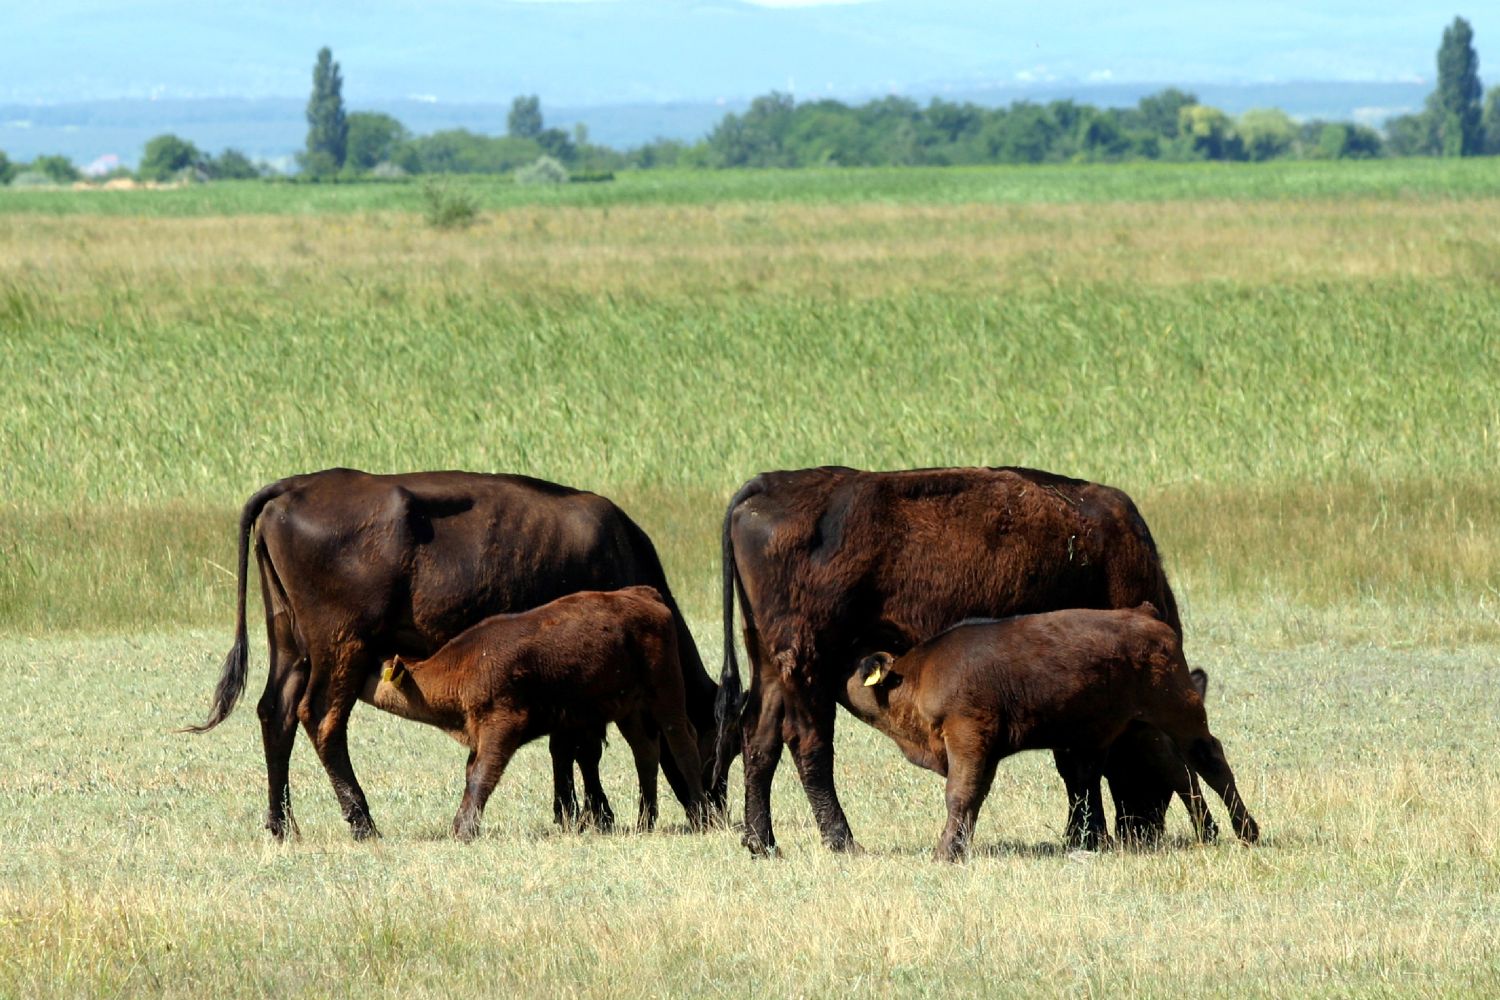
x: 325, y: 711
x: 285, y: 680
x: 1081, y: 772
x: 1206, y: 755
x: 1144, y: 768
x: 810, y: 736
x: 761, y: 728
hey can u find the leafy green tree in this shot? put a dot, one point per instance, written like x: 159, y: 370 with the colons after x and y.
x: 1343, y: 141
x: 1100, y: 136
x: 1209, y: 133
x: 1161, y: 113
x: 1266, y: 133
x: 167, y: 154
x: 557, y: 144
x: 1413, y: 135
x: 7, y: 168
x: 1491, y: 122
x: 59, y: 168
x: 1023, y: 133
x: 525, y: 118
x: 1458, y: 90
x: 231, y: 165
x: 327, y: 125
x: 459, y: 151
x: 373, y: 138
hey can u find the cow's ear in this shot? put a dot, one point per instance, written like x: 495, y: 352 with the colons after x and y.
x: 1200, y: 681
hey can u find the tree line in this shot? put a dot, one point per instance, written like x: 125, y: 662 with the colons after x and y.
x: 1458, y: 119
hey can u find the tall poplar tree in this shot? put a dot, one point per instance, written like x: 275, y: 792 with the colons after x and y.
x: 327, y: 125
x: 1459, y: 91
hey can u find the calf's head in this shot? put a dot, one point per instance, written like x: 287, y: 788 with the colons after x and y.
x: 869, y: 686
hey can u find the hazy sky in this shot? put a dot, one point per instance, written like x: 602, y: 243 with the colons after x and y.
x: 614, y: 51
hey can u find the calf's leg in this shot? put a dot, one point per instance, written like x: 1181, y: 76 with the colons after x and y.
x: 564, y: 793
x: 498, y: 739
x: 646, y: 749
x: 588, y: 748
x: 971, y: 771
x: 1081, y: 771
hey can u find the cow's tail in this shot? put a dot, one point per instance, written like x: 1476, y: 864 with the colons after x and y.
x: 731, y: 696
x: 232, y: 676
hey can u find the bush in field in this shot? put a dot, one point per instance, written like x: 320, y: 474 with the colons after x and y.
x: 231, y: 165
x: 8, y: 169
x: 59, y: 168
x: 166, y: 156
x: 545, y: 170
x: 32, y: 179
x: 446, y: 206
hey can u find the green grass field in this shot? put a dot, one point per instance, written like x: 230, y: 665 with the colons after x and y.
x: 1294, y: 369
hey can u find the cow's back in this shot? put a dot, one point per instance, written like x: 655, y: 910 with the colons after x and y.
x: 407, y: 561
x: 858, y: 560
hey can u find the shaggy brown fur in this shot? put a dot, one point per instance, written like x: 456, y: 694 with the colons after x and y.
x: 355, y: 569
x: 575, y: 664
x: 1070, y: 681
x: 833, y: 564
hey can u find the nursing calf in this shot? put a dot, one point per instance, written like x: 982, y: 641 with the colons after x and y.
x: 569, y: 667
x: 1070, y: 681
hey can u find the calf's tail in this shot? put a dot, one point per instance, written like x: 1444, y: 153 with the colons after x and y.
x: 232, y: 676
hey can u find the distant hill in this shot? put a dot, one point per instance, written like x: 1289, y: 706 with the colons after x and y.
x: 273, y: 128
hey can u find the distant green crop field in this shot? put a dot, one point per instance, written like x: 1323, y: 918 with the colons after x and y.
x: 1001, y: 185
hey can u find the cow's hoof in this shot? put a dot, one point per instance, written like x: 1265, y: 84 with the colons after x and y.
x: 363, y: 829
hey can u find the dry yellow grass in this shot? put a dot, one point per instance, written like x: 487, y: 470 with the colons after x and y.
x: 135, y: 864
x: 176, y: 268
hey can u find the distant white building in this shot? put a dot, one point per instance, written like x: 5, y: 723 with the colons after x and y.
x: 105, y: 164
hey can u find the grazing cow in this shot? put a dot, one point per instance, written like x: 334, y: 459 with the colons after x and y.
x: 833, y: 564
x: 1069, y: 681
x: 573, y: 664
x: 358, y: 568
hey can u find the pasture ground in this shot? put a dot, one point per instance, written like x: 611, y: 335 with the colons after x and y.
x: 1294, y: 369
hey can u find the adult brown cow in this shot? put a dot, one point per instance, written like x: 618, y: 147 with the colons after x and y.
x: 357, y: 568
x: 834, y: 563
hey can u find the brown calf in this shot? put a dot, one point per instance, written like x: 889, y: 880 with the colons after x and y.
x: 1069, y: 681
x: 570, y: 666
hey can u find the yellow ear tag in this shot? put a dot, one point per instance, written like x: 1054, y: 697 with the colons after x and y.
x: 875, y: 677
x: 394, y: 673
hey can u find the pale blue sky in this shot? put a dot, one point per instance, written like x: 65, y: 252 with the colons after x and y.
x: 613, y: 51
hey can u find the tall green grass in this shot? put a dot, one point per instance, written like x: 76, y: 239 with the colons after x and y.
x: 1321, y: 426
x: 902, y: 185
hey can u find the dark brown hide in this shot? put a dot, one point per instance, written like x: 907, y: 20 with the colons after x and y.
x: 358, y: 568
x: 1069, y: 681
x: 571, y: 665
x: 835, y: 563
